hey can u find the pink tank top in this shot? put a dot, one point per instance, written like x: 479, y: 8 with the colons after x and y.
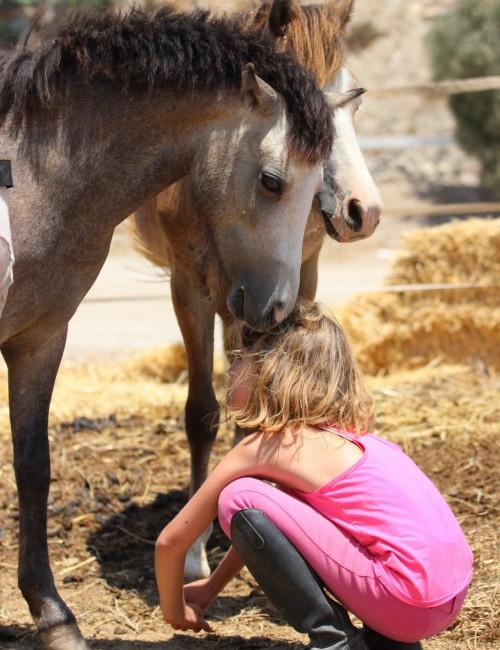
x: 392, y: 509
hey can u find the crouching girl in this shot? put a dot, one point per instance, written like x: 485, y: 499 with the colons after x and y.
x: 327, y: 517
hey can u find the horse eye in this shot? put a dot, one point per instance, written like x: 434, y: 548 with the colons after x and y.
x: 271, y: 183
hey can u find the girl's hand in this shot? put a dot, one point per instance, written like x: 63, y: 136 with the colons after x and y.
x: 199, y: 593
x: 192, y: 620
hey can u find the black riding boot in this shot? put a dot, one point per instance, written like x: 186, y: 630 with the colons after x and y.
x: 376, y: 641
x: 290, y: 584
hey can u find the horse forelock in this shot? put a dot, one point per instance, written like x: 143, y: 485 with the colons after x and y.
x: 181, y: 51
x: 318, y: 43
x: 314, y: 33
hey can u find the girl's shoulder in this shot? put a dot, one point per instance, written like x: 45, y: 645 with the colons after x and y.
x: 258, y: 445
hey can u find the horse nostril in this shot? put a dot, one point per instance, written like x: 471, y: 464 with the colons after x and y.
x: 354, y: 215
x: 279, y: 312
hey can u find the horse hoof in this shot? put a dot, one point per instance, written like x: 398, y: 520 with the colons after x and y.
x: 64, y: 637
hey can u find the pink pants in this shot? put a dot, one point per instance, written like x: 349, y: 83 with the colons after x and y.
x: 345, y: 567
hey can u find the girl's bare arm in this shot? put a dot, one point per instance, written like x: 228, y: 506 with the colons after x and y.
x: 178, y: 536
x: 203, y: 592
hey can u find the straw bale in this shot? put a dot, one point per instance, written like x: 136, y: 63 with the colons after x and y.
x: 167, y: 365
x: 459, y: 251
x: 409, y: 329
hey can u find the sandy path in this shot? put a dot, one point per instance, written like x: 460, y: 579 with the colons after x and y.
x: 129, y: 308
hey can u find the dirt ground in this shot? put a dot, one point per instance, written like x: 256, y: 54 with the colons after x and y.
x: 120, y: 471
x: 120, y: 463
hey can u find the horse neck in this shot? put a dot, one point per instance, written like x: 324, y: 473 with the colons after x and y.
x: 108, y: 162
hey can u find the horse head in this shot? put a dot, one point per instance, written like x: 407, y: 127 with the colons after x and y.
x: 313, y: 33
x: 349, y: 200
x: 254, y: 195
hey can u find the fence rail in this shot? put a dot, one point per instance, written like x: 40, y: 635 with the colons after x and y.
x: 419, y: 210
x: 447, y: 87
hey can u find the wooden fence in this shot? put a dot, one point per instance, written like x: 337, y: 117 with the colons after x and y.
x: 447, y: 87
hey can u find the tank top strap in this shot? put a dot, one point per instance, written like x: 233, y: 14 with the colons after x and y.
x: 348, y: 435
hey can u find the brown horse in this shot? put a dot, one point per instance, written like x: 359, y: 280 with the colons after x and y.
x: 175, y: 235
x: 170, y: 92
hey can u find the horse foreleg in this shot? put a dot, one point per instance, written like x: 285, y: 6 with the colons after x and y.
x: 32, y: 375
x: 196, y: 316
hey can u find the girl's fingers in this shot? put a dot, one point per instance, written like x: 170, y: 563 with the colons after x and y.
x: 194, y: 620
x: 205, y: 626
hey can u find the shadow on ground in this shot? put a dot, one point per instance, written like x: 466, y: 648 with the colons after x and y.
x: 124, y: 544
x: 27, y: 637
x: 189, y: 642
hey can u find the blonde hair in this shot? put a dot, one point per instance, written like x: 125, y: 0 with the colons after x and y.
x: 303, y: 373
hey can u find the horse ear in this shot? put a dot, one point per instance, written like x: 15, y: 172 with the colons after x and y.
x: 341, y: 11
x: 336, y: 99
x: 255, y: 92
x: 281, y: 14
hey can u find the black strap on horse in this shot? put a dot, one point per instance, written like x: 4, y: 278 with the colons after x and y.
x: 5, y: 174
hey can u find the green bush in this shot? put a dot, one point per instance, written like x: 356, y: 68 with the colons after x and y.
x: 466, y: 43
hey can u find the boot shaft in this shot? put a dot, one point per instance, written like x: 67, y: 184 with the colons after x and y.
x: 290, y: 583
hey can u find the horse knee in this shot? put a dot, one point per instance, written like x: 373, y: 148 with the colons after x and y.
x: 202, y: 419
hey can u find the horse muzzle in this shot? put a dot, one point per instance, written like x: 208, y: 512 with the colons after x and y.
x: 259, y: 314
x: 352, y: 219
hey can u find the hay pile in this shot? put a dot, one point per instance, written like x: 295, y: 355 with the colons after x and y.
x: 391, y: 332
x: 412, y: 328
x: 146, y: 383
x: 143, y: 383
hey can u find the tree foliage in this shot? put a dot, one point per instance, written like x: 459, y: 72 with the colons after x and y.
x: 466, y: 43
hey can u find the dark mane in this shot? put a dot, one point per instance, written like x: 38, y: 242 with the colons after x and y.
x: 183, y: 51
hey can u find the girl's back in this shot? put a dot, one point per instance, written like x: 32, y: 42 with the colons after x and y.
x: 388, y: 504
